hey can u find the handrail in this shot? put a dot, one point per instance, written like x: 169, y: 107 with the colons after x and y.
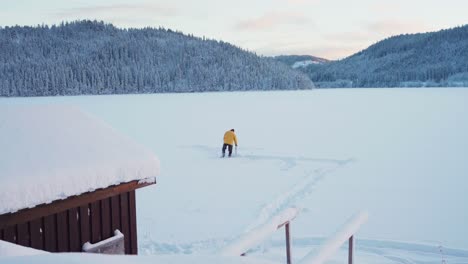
x: 241, y: 245
x: 251, y: 239
x: 346, y: 232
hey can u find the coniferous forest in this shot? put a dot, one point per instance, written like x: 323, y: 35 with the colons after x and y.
x: 435, y: 59
x: 91, y: 57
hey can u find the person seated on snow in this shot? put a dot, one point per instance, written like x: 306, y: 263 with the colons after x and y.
x: 229, y: 139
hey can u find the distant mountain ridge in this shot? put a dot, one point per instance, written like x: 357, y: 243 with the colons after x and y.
x: 435, y: 59
x: 91, y: 57
x: 300, y: 61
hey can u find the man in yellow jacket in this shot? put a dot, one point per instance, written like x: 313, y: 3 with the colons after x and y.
x: 229, y: 139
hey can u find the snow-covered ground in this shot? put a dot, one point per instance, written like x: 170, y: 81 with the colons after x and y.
x: 399, y: 154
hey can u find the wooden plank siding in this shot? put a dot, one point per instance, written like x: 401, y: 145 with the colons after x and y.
x: 124, y: 220
x: 23, y: 234
x: 36, y: 232
x: 106, y: 223
x: 133, y: 224
x: 115, y: 212
x: 84, y: 223
x: 74, y: 230
x: 50, y: 233
x: 9, y: 234
x: 63, y: 242
x: 68, y: 230
x: 95, y: 225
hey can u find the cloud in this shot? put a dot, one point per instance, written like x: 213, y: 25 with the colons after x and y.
x: 348, y: 37
x: 344, y: 44
x: 119, y: 12
x: 302, y: 1
x: 386, y: 7
x: 396, y: 27
x: 272, y: 21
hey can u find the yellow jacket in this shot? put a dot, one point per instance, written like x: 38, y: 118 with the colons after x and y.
x: 230, y: 137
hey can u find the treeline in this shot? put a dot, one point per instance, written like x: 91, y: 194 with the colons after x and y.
x: 91, y: 57
x: 428, y: 59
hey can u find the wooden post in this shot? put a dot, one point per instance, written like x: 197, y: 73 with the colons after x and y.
x: 288, y: 244
x: 351, y: 250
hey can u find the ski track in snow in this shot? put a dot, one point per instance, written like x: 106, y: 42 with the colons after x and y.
x: 396, y: 252
x: 288, y: 199
x: 300, y: 190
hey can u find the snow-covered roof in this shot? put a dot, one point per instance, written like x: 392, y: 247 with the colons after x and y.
x: 52, y: 152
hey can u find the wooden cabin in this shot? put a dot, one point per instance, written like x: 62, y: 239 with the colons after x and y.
x: 67, y: 179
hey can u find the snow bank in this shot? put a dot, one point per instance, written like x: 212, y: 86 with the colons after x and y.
x: 409, y: 153
x: 53, y: 152
x: 114, y: 240
x: 334, y: 242
x: 79, y: 258
x: 259, y: 234
x: 9, y: 249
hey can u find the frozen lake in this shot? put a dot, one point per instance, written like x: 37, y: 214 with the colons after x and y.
x: 399, y: 154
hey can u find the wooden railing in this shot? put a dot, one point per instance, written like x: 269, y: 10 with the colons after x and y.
x: 288, y: 241
x: 345, y: 233
x: 253, y: 238
x: 246, y: 242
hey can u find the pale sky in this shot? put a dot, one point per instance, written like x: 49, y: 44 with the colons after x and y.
x: 331, y: 29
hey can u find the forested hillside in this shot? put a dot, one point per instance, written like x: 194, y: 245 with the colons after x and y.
x: 89, y: 57
x: 428, y: 59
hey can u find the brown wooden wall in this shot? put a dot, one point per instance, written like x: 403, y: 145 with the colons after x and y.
x: 68, y: 230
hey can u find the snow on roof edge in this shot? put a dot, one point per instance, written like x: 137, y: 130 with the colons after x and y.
x: 54, y: 152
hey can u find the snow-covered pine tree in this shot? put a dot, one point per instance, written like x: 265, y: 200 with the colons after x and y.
x: 91, y: 57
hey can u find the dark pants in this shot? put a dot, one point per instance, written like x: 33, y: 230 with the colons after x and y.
x: 229, y: 146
